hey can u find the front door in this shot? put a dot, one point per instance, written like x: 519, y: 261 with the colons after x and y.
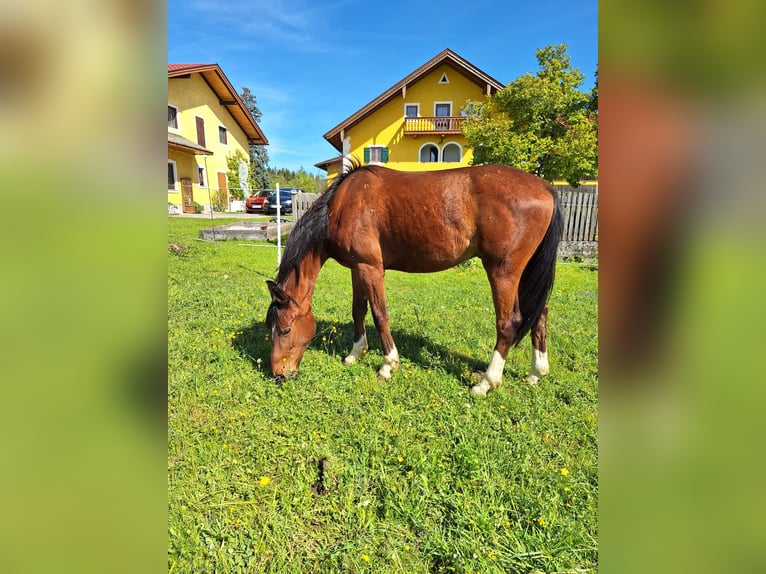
x: 223, y: 192
x: 186, y: 191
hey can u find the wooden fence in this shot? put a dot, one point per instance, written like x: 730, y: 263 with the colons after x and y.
x: 580, y: 208
x: 301, y: 202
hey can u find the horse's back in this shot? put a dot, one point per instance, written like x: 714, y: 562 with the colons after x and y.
x: 429, y: 221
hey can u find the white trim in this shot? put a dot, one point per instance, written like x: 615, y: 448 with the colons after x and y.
x: 207, y: 181
x: 178, y: 121
x: 174, y: 189
x: 443, y: 77
x: 451, y: 107
x: 378, y: 146
x: 441, y: 153
x: 417, y: 106
x: 438, y: 152
x: 219, y: 135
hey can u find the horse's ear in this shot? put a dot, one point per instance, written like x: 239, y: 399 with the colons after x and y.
x: 278, y: 294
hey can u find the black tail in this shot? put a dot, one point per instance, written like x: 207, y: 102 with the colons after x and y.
x: 537, y: 279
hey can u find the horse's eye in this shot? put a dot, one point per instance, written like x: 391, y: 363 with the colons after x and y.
x: 286, y: 331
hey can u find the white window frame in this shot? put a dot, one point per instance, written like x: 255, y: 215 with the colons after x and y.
x: 376, y: 146
x: 417, y: 107
x: 451, y: 109
x: 219, y: 135
x: 204, y: 171
x: 178, y: 122
x: 438, y: 152
x: 174, y: 189
x: 459, y: 147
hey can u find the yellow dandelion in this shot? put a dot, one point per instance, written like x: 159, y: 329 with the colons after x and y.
x: 407, y: 547
x: 564, y: 471
x: 566, y: 489
x: 365, y: 558
x: 541, y: 521
x: 264, y: 481
x: 400, y: 459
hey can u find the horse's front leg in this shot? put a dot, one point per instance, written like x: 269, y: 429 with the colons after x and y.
x: 358, y: 312
x: 538, y: 335
x: 371, y: 278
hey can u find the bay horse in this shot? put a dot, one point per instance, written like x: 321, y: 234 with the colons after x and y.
x: 373, y: 218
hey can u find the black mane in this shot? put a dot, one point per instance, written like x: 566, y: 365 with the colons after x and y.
x: 311, y: 231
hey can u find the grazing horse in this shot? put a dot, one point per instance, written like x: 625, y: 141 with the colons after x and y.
x: 373, y: 218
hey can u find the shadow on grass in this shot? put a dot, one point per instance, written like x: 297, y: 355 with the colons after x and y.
x: 253, y: 344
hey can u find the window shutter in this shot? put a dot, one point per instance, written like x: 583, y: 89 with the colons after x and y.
x: 384, y: 155
x: 200, y: 131
x: 366, y: 155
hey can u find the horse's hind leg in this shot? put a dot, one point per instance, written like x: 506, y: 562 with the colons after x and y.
x: 507, y: 321
x: 358, y: 312
x: 538, y: 335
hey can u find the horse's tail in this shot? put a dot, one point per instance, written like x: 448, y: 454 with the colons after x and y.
x: 537, y: 278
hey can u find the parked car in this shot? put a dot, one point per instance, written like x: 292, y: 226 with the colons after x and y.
x: 256, y: 203
x: 285, y: 200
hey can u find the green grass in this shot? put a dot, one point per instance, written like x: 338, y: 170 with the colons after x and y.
x: 335, y: 471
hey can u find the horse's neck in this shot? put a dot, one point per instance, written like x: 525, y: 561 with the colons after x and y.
x: 301, y: 286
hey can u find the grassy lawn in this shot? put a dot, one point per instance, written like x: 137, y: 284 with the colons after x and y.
x: 335, y: 471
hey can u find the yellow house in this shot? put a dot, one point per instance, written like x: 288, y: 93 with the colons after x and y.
x: 415, y: 125
x: 207, y: 123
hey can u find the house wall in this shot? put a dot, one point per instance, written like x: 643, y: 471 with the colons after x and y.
x: 193, y: 97
x: 386, y: 125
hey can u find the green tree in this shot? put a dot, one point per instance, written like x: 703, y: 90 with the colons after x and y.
x: 539, y: 123
x: 259, y: 156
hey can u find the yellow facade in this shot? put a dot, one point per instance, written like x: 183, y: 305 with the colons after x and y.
x: 195, y: 101
x: 446, y: 80
x: 386, y: 126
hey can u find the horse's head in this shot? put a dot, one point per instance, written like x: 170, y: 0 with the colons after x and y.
x: 292, y: 327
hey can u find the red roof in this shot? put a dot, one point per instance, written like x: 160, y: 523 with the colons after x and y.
x: 176, y: 67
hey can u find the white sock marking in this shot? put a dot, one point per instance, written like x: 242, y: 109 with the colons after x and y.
x: 492, y: 377
x: 390, y: 363
x: 359, y: 348
x: 540, y: 366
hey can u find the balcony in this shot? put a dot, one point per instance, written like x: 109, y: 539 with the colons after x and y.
x: 441, y: 125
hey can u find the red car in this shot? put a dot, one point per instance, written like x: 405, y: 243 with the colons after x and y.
x: 257, y: 202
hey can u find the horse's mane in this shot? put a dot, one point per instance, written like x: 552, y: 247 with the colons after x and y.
x: 311, y: 230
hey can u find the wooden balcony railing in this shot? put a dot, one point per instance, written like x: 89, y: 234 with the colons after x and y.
x: 432, y: 125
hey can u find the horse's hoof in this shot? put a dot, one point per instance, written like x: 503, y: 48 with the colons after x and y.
x: 349, y: 361
x: 532, y: 380
x: 481, y: 389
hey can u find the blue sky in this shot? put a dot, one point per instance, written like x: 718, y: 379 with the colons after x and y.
x: 312, y: 64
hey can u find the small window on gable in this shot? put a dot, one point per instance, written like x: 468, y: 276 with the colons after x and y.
x: 444, y: 79
x: 376, y: 154
x: 172, y: 117
x: 223, y: 135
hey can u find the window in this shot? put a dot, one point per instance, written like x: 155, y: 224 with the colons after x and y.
x: 172, y: 117
x: 452, y: 152
x: 376, y: 154
x: 201, y: 176
x: 172, y: 179
x: 442, y: 110
x: 222, y: 135
x: 429, y: 153
x: 444, y: 79
x: 411, y: 110
x: 200, y: 130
